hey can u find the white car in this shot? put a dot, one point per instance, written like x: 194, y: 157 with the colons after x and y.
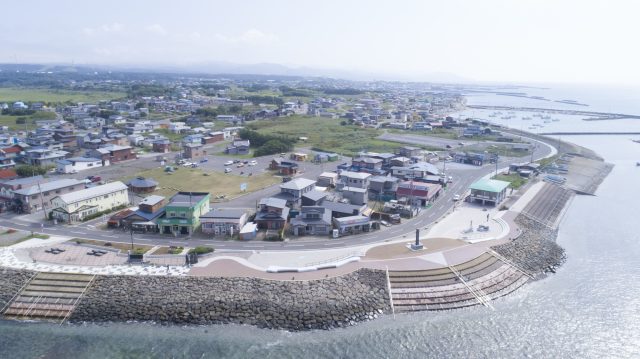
x: 253, y: 163
x: 228, y: 163
x: 187, y: 164
x: 456, y: 197
x: 227, y: 170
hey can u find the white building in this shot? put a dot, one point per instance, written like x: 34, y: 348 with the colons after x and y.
x: 76, y: 206
x: 77, y: 164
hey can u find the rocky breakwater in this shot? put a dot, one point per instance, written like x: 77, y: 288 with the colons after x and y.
x: 291, y: 305
x: 535, y: 250
x: 11, y: 280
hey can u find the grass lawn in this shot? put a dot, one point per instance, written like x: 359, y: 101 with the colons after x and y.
x: 327, y: 134
x: 216, y: 183
x: 124, y: 247
x: 168, y: 250
x: 12, y: 94
x: 10, y: 121
x: 515, y: 179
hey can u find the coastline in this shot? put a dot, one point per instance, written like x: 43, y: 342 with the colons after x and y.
x: 340, y: 301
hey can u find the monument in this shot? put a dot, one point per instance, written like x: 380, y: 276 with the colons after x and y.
x: 417, y: 245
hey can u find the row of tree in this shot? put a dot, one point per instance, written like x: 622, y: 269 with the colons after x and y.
x: 267, y: 144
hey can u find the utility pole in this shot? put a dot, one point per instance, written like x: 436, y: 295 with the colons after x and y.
x: 42, y: 201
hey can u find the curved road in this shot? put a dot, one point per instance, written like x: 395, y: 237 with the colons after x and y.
x: 463, y: 176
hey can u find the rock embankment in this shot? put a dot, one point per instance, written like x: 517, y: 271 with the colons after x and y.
x: 291, y: 305
x: 11, y: 280
x: 536, y: 250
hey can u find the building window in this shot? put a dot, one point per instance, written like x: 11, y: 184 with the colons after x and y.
x: 183, y: 214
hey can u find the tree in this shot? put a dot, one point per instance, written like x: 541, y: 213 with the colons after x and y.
x: 29, y: 170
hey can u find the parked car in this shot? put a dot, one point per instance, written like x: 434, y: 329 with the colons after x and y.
x: 236, y: 161
x: 187, y: 164
x: 228, y: 163
x: 227, y: 170
x: 240, y: 165
x: 253, y: 163
x: 456, y: 197
x: 204, y: 160
x: 195, y: 165
x: 94, y: 178
x: 385, y: 223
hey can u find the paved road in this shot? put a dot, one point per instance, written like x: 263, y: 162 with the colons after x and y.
x: 463, y: 177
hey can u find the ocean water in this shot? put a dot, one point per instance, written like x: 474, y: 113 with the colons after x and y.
x: 589, y: 309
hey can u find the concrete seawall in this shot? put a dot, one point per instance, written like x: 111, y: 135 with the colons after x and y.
x: 290, y: 305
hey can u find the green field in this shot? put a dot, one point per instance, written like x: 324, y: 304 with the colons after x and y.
x: 326, y: 134
x: 10, y: 121
x: 216, y: 183
x: 515, y: 179
x: 12, y: 94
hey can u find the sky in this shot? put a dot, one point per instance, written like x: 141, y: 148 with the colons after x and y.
x: 490, y: 40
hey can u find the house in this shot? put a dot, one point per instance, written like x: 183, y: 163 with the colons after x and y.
x: 149, y: 210
x: 384, y: 157
x: 77, y: 164
x: 416, y: 170
x: 182, y: 214
x: 228, y: 118
x: 294, y: 189
x: 421, y: 126
x: 6, y: 162
x: 401, y: 161
x: 327, y: 179
x: 383, y: 188
x: 352, y: 224
x: 312, y: 220
x: 355, y: 195
x: 418, y: 194
x: 273, y: 213
x: 476, y: 159
x: 112, y: 154
x: 224, y: 221
x: 283, y: 167
x: 488, y: 191
x: 238, y: 147
x: 178, y: 127
x: 366, y: 163
x: 142, y: 185
x: 344, y: 209
x: 409, y: 151
x: 8, y: 174
x: 33, y: 198
x: 355, y: 179
x: 78, y: 205
x: 161, y: 146
x: 44, y: 156
x: 313, y: 198
x: 7, y: 186
x: 193, y: 151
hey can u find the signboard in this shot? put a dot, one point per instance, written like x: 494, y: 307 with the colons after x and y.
x: 243, y: 187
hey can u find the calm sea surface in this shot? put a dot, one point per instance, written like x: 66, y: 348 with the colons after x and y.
x: 589, y: 309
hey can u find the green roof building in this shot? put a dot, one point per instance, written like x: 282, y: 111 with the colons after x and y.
x: 488, y: 191
x: 182, y: 214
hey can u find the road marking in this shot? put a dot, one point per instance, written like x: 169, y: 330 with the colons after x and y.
x: 77, y: 232
x: 110, y: 236
x: 295, y: 245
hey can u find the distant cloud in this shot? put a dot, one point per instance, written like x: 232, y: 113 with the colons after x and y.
x: 251, y: 36
x: 115, y: 27
x: 156, y: 29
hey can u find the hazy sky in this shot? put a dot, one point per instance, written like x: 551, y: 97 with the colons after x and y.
x: 535, y: 41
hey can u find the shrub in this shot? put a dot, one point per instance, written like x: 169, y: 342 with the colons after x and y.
x: 201, y: 250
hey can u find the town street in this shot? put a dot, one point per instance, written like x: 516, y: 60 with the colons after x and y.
x: 463, y: 176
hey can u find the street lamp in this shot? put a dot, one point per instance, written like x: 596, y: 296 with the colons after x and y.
x: 131, y: 232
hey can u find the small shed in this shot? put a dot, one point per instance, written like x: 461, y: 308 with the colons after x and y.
x: 249, y: 231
